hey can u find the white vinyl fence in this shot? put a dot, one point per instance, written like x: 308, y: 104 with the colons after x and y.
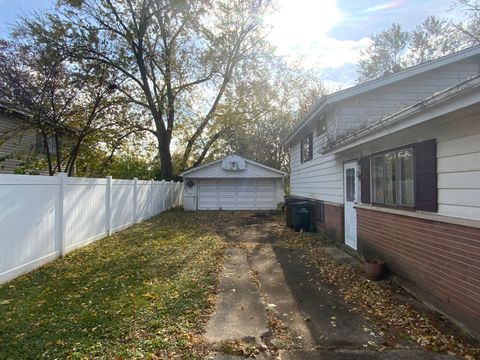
x: 43, y: 217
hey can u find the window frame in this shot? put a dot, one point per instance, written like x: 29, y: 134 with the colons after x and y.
x: 320, y: 212
x: 308, y: 138
x: 372, y: 177
x: 41, y: 147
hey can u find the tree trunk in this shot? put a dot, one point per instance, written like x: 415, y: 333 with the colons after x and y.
x: 166, y: 171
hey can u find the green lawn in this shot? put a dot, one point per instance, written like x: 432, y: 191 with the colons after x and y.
x: 144, y: 292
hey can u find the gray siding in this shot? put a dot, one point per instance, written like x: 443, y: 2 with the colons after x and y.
x: 19, y: 144
x: 354, y: 113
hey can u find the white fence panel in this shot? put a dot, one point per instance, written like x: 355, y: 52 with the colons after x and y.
x: 158, y: 198
x: 144, y: 194
x: 42, y: 217
x: 28, y: 208
x: 178, y: 194
x: 84, y: 197
x: 123, y: 206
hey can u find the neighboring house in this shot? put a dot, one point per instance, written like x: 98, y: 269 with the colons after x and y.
x: 393, y: 166
x: 20, y: 143
x: 233, y: 183
x: 17, y: 141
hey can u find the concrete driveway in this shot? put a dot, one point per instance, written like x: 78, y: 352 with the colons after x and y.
x: 272, y: 303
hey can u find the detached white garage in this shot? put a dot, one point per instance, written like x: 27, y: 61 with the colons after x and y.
x: 233, y: 183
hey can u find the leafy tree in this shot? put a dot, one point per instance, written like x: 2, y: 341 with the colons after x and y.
x: 165, y: 51
x: 262, y: 108
x: 128, y: 165
x: 471, y: 27
x: 385, y: 54
x: 395, y: 49
x: 67, y: 103
x: 433, y: 38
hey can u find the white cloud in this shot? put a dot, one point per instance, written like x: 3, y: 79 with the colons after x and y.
x: 300, y: 32
x: 385, y: 6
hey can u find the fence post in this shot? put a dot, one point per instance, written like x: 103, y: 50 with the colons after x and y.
x: 135, y: 199
x: 152, y: 193
x: 62, y: 223
x: 164, y: 195
x: 108, y: 209
x: 172, y: 184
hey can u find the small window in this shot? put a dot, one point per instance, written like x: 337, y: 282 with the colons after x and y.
x: 393, y: 178
x: 320, y: 213
x: 306, y: 148
x: 42, y: 147
x: 350, y: 184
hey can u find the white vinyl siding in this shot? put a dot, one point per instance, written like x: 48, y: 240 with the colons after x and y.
x: 458, y: 170
x: 320, y: 179
x: 458, y: 145
x: 458, y: 159
x: 458, y: 164
x: 211, y: 187
x: 216, y: 171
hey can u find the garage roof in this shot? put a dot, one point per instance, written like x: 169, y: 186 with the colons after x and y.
x: 215, y: 170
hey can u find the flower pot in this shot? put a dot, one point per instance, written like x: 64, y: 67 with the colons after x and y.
x: 374, y: 269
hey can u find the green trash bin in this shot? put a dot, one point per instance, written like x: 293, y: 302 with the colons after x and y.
x: 302, y: 216
x: 289, y: 210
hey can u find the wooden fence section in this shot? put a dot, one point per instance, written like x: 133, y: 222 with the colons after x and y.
x: 43, y: 217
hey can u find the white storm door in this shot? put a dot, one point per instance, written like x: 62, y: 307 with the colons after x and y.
x: 351, y: 195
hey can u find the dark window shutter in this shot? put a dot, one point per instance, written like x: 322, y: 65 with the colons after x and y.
x: 301, y: 151
x: 310, y: 146
x: 365, y: 179
x: 426, y: 176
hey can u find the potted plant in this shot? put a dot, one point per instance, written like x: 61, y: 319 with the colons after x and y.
x: 374, y: 269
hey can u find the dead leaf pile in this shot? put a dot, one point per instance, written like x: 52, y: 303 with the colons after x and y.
x: 378, y: 304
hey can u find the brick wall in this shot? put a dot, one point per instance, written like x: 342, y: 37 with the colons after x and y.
x: 334, y: 221
x: 440, y: 260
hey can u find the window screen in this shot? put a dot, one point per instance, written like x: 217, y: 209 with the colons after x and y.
x: 393, y: 178
x: 350, y: 184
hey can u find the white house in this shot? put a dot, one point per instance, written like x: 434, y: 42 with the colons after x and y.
x: 233, y: 183
x: 394, y: 166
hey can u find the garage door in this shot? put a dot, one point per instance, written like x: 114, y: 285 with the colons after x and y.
x: 235, y: 194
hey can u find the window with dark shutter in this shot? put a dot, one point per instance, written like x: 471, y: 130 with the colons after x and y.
x: 365, y: 179
x: 306, y: 148
x: 426, y: 176
x: 393, y: 177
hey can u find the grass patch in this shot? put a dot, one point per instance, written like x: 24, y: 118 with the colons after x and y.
x: 144, y: 292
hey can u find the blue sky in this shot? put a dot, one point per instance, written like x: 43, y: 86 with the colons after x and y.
x: 325, y: 34
x: 329, y: 34
x: 10, y: 10
x: 363, y: 17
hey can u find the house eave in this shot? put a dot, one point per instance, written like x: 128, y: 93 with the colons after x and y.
x: 190, y: 172
x: 377, y: 83
x: 451, y: 99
